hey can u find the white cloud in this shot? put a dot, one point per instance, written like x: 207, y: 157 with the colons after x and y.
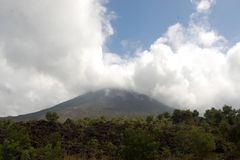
x: 48, y: 50
x: 203, y: 5
x: 52, y: 51
x: 186, y: 74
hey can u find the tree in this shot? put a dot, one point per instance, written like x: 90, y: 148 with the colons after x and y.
x: 166, y: 115
x: 160, y: 117
x: 214, y: 116
x: 235, y: 133
x: 52, y: 116
x: 180, y: 116
x: 195, y: 113
x: 229, y: 114
x: 177, y: 116
x: 202, y: 143
x: 53, y: 150
x: 138, y: 145
x: 16, y: 144
x: 149, y: 119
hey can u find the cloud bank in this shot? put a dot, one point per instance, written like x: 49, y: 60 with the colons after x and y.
x: 55, y: 50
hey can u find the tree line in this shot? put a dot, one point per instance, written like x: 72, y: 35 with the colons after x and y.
x: 180, y: 135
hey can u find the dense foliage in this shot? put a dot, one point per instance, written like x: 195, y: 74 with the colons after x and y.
x: 181, y: 135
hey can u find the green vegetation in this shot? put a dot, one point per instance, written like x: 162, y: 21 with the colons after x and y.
x: 52, y: 116
x: 181, y: 135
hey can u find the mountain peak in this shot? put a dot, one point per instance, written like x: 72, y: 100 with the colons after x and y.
x: 105, y: 102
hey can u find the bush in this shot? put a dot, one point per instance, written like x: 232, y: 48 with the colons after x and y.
x: 52, y: 116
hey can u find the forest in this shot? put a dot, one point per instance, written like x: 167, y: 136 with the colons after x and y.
x: 180, y: 135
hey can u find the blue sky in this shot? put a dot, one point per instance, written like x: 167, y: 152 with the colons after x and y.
x: 225, y: 19
x: 139, y: 23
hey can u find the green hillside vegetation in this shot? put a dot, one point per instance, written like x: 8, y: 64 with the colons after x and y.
x: 181, y: 135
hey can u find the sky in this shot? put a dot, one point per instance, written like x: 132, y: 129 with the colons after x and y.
x: 140, y: 23
x: 184, y: 54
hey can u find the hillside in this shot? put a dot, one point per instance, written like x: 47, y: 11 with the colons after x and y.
x: 107, y: 102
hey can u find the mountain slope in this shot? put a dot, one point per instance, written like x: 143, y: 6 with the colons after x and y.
x: 107, y: 102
